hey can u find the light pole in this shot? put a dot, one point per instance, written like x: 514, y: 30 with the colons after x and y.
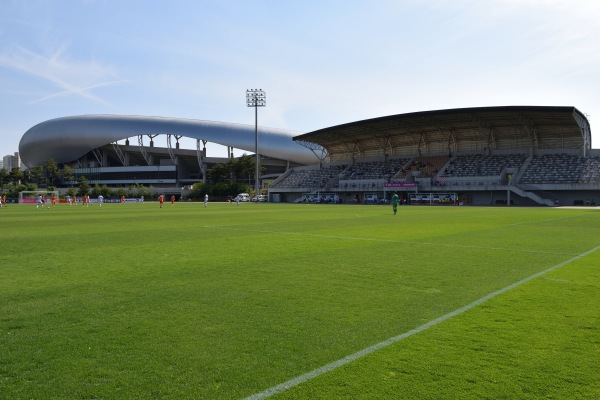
x: 256, y: 98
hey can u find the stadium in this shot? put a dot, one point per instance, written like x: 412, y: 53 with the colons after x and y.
x: 313, y: 301
x: 521, y: 155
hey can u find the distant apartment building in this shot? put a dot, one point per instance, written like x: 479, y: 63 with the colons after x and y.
x: 11, y: 161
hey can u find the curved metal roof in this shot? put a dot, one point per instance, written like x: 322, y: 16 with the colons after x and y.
x: 467, y: 129
x: 68, y: 138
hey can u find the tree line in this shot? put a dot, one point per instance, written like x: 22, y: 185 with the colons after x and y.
x: 226, y: 179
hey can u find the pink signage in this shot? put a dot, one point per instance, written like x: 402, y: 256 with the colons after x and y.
x: 399, y: 184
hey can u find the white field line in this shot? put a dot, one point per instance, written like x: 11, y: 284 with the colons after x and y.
x: 547, y: 220
x: 429, y: 244
x: 364, y: 352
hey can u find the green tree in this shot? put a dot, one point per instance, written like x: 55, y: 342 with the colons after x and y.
x: 15, y: 176
x: 236, y: 188
x: 234, y: 170
x: 118, y: 192
x: 199, y: 189
x: 219, y: 173
x: 68, y: 173
x: 266, y: 185
x: 105, y: 191
x: 72, y: 191
x: 143, y: 191
x: 220, y: 189
x: 4, y: 180
x: 101, y: 190
x: 37, y: 175
x: 246, y: 167
x: 95, y: 191
x: 84, y: 185
x: 52, y: 171
x: 13, y: 190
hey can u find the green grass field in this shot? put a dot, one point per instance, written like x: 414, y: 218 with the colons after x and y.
x: 226, y: 302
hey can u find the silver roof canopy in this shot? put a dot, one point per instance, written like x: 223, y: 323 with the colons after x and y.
x: 68, y: 138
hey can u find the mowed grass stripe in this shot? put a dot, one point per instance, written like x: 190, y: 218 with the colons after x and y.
x: 389, y: 241
x: 452, y: 233
x: 539, y: 340
x: 367, y: 351
x: 148, y: 302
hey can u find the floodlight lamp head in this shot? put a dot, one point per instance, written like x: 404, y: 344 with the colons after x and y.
x: 256, y: 98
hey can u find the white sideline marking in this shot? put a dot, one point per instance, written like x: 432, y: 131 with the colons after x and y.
x: 462, y: 246
x: 352, y: 357
x: 546, y: 220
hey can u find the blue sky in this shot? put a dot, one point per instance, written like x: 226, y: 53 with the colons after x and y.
x: 321, y: 62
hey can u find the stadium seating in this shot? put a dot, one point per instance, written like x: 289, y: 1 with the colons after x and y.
x: 467, y: 170
x: 561, y: 168
x: 310, y: 178
x: 427, y: 166
x: 374, y: 169
x: 480, y: 165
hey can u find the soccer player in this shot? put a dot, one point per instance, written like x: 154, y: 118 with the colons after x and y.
x: 40, y: 202
x: 205, y: 200
x: 84, y: 200
x: 172, y: 199
x: 53, y: 200
x: 161, y: 199
x: 100, y: 200
x: 3, y: 203
x: 395, y: 200
x: 122, y: 199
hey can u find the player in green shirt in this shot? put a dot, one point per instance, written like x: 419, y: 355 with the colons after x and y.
x: 395, y: 200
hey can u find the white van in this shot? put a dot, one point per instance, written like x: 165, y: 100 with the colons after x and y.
x: 244, y: 197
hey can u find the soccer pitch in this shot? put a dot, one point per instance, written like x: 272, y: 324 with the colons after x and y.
x: 298, y: 301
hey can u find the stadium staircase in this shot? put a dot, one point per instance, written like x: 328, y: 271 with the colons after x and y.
x: 281, y: 178
x: 512, y: 186
x: 533, y: 196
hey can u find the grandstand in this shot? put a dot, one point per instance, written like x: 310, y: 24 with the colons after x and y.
x: 521, y: 155
x: 99, y: 148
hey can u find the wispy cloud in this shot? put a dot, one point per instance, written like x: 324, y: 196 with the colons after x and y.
x: 82, y: 91
x: 72, y: 78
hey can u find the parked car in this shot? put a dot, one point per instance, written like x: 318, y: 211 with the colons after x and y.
x: 261, y: 198
x: 244, y: 197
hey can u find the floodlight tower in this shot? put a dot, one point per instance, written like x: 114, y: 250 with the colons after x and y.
x: 256, y: 98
